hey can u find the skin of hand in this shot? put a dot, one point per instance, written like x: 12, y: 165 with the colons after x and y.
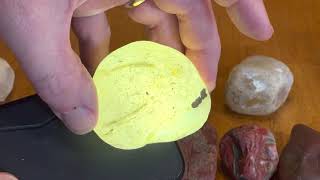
x: 38, y: 32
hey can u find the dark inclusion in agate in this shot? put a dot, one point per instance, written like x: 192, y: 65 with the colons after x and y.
x: 198, y: 101
x: 249, y: 153
x: 300, y: 159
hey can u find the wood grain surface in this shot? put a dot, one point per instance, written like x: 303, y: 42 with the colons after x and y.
x: 296, y: 42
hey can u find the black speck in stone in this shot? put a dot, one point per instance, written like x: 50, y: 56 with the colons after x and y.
x: 196, y: 103
x: 203, y: 94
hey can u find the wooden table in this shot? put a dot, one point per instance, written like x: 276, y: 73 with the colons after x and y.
x: 296, y: 42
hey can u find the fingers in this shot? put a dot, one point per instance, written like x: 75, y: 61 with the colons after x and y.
x: 42, y: 46
x: 94, y: 34
x: 199, y: 34
x: 250, y: 17
x: 161, y: 26
x: 6, y: 176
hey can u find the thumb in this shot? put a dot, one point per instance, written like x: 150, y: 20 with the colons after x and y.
x: 42, y: 46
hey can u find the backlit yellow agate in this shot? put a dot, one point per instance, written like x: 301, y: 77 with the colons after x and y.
x: 149, y: 93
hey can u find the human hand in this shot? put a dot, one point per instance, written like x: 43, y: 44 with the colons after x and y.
x: 190, y: 26
x: 38, y: 33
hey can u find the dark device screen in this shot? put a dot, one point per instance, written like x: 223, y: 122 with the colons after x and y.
x: 35, y: 145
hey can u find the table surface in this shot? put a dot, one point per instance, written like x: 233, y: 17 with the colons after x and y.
x: 296, y: 42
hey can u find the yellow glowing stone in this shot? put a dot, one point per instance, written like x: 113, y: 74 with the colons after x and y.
x: 149, y: 93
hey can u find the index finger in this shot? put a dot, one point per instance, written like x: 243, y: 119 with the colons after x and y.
x: 199, y: 34
x: 250, y: 17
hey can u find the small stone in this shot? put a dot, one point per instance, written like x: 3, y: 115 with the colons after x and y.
x: 6, y: 79
x: 199, y: 152
x: 249, y: 152
x: 300, y: 159
x: 258, y: 86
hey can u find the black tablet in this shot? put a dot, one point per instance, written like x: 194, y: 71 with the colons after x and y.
x: 35, y: 145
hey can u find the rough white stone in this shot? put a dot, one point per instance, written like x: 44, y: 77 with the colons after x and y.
x: 258, y: 86
x: 6, y: 79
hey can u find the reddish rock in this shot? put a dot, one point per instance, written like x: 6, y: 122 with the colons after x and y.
x: 300, y: 159
x: 249, y: 153
x: 200, y: 154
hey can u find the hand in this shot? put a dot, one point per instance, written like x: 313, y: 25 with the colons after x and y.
x: 38, y: 33
x: 190, y: 26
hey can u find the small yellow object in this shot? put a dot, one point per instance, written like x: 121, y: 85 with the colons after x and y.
x: 137, y: 3
x: 149, y: 93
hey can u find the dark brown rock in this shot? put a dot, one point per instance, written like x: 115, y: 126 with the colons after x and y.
x: 200, y: 154
x: 249, y: 153
x: 300, y: 159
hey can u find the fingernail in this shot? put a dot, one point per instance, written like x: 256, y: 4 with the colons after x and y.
x: 80, y: 120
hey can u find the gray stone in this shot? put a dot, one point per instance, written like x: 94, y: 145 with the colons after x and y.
x: 6, y: 79
x: 258, y: 86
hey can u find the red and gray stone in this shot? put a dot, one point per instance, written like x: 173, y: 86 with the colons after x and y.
x: 249, y: 152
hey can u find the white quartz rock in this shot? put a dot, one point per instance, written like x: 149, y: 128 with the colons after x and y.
x: 258, y: 86
x: 6, y: 79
